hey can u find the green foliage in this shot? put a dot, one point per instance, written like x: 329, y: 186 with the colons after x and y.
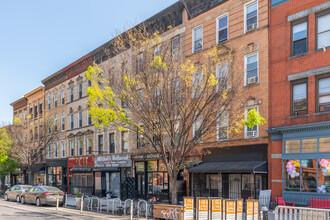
x: 5, y: 144
x: 254, y: 118
x: 78, y: 194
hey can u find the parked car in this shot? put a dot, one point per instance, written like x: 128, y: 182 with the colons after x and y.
x: 15, y: 192
x: 43, y: 195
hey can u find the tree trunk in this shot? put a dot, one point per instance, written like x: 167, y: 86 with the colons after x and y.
x: 3, y: 184
x: 174, y: 188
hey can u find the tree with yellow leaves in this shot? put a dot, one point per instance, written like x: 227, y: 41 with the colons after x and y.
x: 150, y: 88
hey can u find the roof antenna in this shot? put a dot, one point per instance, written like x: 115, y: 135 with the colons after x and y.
x: 185, y: 5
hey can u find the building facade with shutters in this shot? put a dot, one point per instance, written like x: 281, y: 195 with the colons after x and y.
x: 299, y: 108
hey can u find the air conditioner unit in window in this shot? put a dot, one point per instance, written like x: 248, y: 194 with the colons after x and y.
x: 251, y: 27
x: 251, y: 134
x: 251, y: 80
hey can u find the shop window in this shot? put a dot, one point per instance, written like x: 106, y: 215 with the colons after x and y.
x: 247, y: 182
x: 152, y: 166
x: 124, y: 141
x: 308, y: 175
x: 197, y: 39
x: 112, y: 143
x: 323, y: 94
x: 324, y: 176
x: 299, y: 97
x: 139, y: 166
x: 292, y: 175
x: 309, y: 145
x: 323, y: 29
x: 251, y: 16
x: 251, y: 69
x: 222, y: 28
x: 299, y: 37
x: 324, y: 144
x: 292, y: 146
x: 212, y: 181
x: 162, y: 166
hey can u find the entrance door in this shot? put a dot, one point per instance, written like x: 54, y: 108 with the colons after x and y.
x: 141, y: 188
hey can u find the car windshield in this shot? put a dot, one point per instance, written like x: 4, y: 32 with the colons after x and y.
x: 51, y: 189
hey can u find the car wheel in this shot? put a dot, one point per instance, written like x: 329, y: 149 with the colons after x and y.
x: 23, y: 200
x: 17, y: 199
x: 6, y: 197
x: 38, y: 203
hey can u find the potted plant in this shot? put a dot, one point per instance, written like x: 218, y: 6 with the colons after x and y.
x: 78, y: 199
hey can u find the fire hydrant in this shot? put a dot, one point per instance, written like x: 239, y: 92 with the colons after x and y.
x: 264, y: 212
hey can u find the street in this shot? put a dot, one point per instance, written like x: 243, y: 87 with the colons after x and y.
x: 18, y: 211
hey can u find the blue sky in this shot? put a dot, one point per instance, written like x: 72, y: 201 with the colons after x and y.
x: 40, y: 37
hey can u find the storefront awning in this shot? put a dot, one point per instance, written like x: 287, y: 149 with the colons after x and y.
x: 113, y: 169
x: 231, y: 167
x: 80, y: 170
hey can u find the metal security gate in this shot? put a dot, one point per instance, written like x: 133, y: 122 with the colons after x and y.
x: 301, y: 213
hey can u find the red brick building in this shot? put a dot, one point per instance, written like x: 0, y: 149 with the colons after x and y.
x: 299, y: 99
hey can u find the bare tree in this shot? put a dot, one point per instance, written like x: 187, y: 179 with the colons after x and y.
x: 173, y: 102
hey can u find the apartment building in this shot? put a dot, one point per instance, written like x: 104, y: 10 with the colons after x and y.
x: 299, y: 95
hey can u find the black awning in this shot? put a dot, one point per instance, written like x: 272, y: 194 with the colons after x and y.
x: 114, y: 169
x: 80, y: 170
x: 231, y: 167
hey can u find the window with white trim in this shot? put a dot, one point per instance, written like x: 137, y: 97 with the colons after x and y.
x: 222, y: 126
x: 323, y: 93
x: 175, y: 48
x: 251, y: 16
x: 80, y: 119
x: 323, y: 29
x: 222, y: 28
x: 49, y: 151
x: 80, y: 91
x: 124, y: 141
x: 55, y: 100
x: 48, y: 102
x: 251, y: 132
x: 89, y: 146
x: 71, y: 121
x: 55, y: 150
x: 62, y: 123
x: 222, y: 76
x: 71, y: 94
x: 197, y: 39
x: 62, y: 149
x: 62, y: 98
x: 71, y: 144
x: 197, y: 84
x: 251, y: 69
x: 80, y: 147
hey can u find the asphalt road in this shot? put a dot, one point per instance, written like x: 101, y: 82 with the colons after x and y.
x: 18, y: 211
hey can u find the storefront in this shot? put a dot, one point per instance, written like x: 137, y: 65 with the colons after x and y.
x: 305, y: 161
x: 109, y: 172
x: 57, y: 173
x: 80, y: 172
x: 37, y: 174
x: 151, y: 177
x: 231, y: 172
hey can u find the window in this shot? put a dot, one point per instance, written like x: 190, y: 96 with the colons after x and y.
x: 71, y: 94
x: 55, y: 100
x: 175, y: 48
x: 62, y: 98
x: 62, y: 149
x: 35, y: 111
x: 140, y: 138
x: 100, y: 144
x: 89, y: 83
x: 251, y: 16
x: 251, y: 69
x: 292, y: 146
x: 48, y: 103
x: 25, y: 115
x: 292, y: 175
x: 323, y: 29
x: 176, y: 95
x: 80, y: 91
x: 71, y: 143
x: 198, y: 128
x: 139, y: 63
x: 49, y: 151
x: 40, y: 109
x: 55, y: 125
x: 62, y: 123
x: 309, y: 145
x: 71, y: 121
x: 323, y: 176
x: 124, y: 141
x: 197, y: 39
x: 197, y: 84
x: 222, y: 29
x: 31, y: 112
x: 80, y: 147
x: 251, y: 132
x: 157, y: 51
x: 299, y: 97
x: 222, y: 76
x: 89, y: 119
x: 323, y: 92
x: 89, y: 146
x: 222, y: 127
x: 55, y: 150
x: 112, y: 143
x: 324, y: 144
x: 80, y: 119
x: 299, y: 37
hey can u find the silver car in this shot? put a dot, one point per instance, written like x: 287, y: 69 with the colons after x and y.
x: 15, y: 192
x: 43, y: 195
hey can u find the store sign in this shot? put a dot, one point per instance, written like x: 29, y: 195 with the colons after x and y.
x: 239, y: 215
x: 249, y: 210
x: 216, y: 208
x: 154, y: 156
x: 122, y: 160
x: 230, y: 209
x: 203, y: 209
x: 188, y: 204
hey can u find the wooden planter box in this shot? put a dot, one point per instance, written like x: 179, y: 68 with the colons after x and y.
x: 167, y: 211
